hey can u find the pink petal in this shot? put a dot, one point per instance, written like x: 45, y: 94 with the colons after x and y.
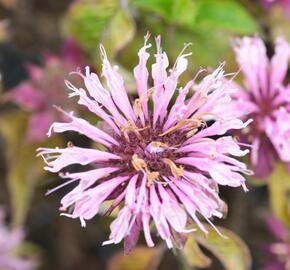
x: 38, y: 125
x: 279, y: 63
x: 141, y: 75
x: 58, y: 158
x: 115, y: 83
x: 85, y: 128
x: 252, y: 58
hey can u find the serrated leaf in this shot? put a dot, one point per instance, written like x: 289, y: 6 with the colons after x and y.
x: 225, y: 14
x: 119, y: 33
x: 279, y: 191
x: 140, y: 258
x: 231, y: 251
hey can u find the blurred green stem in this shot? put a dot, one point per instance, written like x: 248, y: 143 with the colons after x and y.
x: 183, y: 263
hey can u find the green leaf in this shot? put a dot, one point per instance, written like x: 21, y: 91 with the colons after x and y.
x: 87, y: 19
x: 91, y: 22
x: 193, y: 255
x: 206, y: 14
x: 162, y: 8
x: 204, y: 54
x: 178, y: 12
x: 183, y: 13
x: 231, y: 251
x: 140, y: 258
x: 19, y: 155
x: 225, y: 14
x: 279, y: 190
x: 120, y: 32
x: 24, y: 168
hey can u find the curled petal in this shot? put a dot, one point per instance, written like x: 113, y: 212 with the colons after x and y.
x: 58, y: 158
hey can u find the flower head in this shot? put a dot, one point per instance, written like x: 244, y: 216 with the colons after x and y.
x: 44, y: 89
x: 266, y: 100
x: 161, y: 165
x: 9, y: 242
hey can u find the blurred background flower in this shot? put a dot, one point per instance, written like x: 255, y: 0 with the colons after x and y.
x: 10, y: 251
x: 265, y: 98
x: 45, y: 88
x: 278, y: 252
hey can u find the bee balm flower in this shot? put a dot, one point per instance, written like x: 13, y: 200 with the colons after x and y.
x: 44, y: 89
x: 266, y: 100
x: 161, y: 165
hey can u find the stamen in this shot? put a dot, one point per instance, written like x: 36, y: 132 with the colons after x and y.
x: 137, y: 106
x: 159, y: 144
x: 175, y: 170
x: 191, y: 132
x: 130, y: 128
x: 189, y: 123
x: 146, y: 96
x: 150, y: 92
x: 138, y: 163
x: 151, y: 176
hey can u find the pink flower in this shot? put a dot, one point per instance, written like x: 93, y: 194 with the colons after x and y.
x: 266, y: 100
x: 284, y: 4
x: 44, y: 89
x: 279, y: 251
x: 9, y: 242
x: 160, y: 165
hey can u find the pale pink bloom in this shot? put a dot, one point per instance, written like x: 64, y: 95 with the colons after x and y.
x: 161, y: 165
x: 266, y: 100
x: 279, y: 250
x: 9, y: 242
x: 45, y: 88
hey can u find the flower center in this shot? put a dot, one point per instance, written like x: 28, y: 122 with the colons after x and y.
x: 148, y: 150
x: 266, y: 106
